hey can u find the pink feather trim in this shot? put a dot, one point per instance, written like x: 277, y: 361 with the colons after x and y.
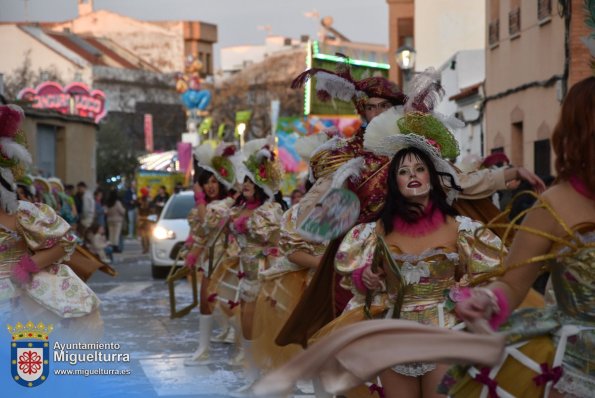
x: 500, y: 317
x: 430, y: 221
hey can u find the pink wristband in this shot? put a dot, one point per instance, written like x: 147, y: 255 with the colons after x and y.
x: 356, y: 277
x: 199, y: 198
x: 24, y: 268
x: 500, y: 316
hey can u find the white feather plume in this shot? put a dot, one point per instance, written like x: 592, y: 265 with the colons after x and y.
x: 15, y: 151
x: 424, y: 84
x: 204, y: 154
x: 450, y: 122
x: 350, y: 170
x: 252, y: 146
x: 263, y: 153
x: 305, y: 146
x: 336, y: 86
x: 380, y: 128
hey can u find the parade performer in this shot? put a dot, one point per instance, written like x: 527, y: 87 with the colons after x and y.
x: 550, y: 350
x: 283, y: 283
x: 215, y: 176
x: 371, y: 97
x: 35, y: 241
x: 255, y: 219
x: 406, y: 264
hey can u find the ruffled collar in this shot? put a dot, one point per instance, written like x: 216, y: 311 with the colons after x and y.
x: 431, y: 219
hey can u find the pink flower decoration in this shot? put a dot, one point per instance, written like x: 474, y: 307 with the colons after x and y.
x: 229, y: 151
x: 11, y: 117
x: 271, y: 251
x: 262, y: 171
x: 435, y: 144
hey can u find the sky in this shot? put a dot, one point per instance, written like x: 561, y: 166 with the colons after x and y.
x: 237, y: 20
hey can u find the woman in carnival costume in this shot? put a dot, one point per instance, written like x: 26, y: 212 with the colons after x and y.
x: 290, y: 271
x: 214, y: 178
x: 255, y: 219
x: 34, y: 243
x: 371, y: 97
x: 549, y: 351
x: 405, y: 265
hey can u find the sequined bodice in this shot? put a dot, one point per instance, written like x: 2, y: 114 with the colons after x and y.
x: 573, y: 279
x: 427, y: 275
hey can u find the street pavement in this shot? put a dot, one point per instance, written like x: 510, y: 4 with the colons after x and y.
x: 135, y: 312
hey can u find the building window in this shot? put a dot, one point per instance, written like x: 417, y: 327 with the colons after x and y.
x: 46, y: 149
x: 516, y: 144
x: 494, y: 25
x: 542, y: 162
x: 514, y: 22
x: 544, y: 10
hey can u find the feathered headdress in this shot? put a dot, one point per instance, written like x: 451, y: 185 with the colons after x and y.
x: 415, y: 125
x: 219, y: 160
x: 14, y: 157
x: 261, y: 165
x: 341, y: 85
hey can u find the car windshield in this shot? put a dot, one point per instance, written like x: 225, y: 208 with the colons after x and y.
x: 178, y: 207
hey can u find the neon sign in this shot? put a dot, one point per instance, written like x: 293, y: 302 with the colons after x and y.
x: 74, y: 99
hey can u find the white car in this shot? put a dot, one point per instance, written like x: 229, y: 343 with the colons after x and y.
x: 170, y: 233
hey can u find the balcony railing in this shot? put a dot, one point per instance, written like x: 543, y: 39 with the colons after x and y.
x: 544, y: 9
x: 514, y: 22
x: 494, y: 33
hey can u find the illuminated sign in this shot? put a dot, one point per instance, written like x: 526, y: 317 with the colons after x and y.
x: 74, y: 99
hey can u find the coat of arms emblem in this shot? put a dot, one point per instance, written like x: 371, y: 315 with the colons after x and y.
x: 30, y: 353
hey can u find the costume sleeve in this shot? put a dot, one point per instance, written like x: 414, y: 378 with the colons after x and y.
x: 216, y: 215
x: 357, y: 249
x: 291, y: 241
x: 42, y: 228
x: 264, y: 225
x: 481, y: 183
x: 477, y: 254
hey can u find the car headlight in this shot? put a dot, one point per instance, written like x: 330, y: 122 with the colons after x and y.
x: 161, y: 233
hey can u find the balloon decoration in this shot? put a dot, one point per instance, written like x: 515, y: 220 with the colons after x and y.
x: 188, y: 84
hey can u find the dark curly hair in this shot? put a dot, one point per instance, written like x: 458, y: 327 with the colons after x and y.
x: 397, y: 205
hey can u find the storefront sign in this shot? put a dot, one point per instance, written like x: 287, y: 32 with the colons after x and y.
x: 74, y: 99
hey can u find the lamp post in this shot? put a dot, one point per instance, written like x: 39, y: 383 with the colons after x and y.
x: 241, y: 129
x: 405, y: 57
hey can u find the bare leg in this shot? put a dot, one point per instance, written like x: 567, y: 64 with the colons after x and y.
x: 431, y: 380
x: 400, y: 386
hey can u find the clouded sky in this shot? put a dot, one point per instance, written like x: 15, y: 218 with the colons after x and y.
x: 237, y: 20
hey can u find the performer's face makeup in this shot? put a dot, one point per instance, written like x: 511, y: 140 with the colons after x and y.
x: 211, y: 188
x: 375, y: 106
x: 413, y: 178
x: 248, y: 189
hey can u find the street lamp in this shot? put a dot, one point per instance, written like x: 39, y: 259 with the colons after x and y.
x: 405, y: 57
x: 241, y: 129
